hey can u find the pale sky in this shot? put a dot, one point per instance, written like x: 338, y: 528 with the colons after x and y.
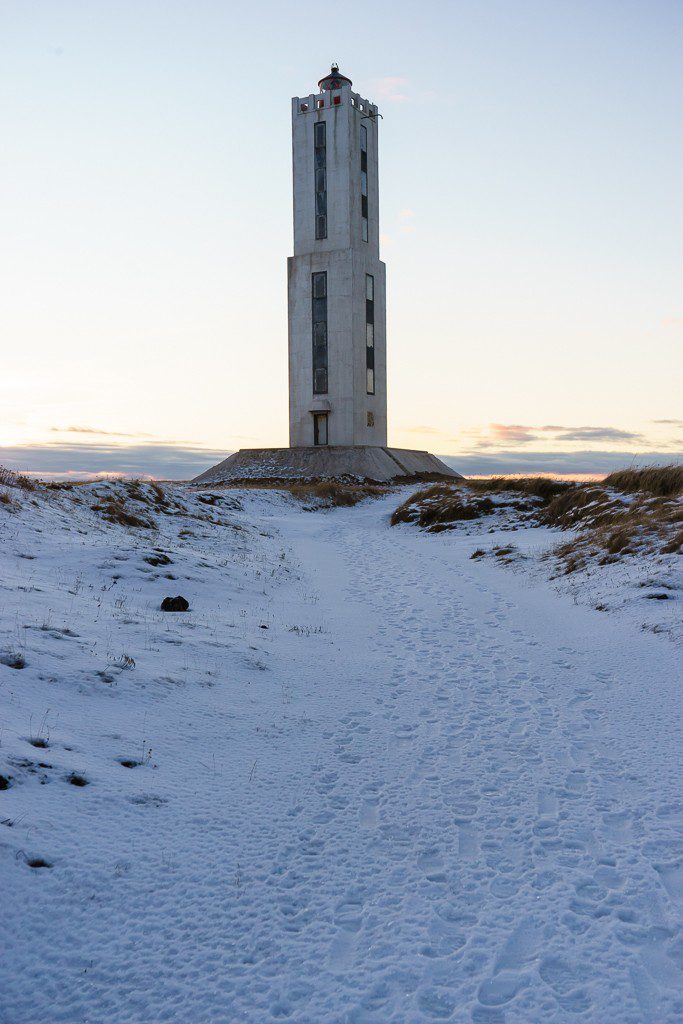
x: 531, y: 161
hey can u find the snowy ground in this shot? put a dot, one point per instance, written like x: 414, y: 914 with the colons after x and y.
x: 378, y: 781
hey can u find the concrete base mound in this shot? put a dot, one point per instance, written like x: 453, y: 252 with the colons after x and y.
x: 334, y: 462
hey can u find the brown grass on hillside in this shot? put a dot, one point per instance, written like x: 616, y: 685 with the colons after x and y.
x: 581, y: 507
x: 532, y: 486
x: 610, y: 529
x: 608, y: 525
x: 331, y: 494
x: 8, y: 478
x: 664, y: 481
x: 435, y: 508
x: 115, y: 511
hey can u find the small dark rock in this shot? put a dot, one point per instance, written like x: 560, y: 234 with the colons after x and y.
x: 38, y: 862
x: 657, y: 597
x: 174, y: 604
x: 4, y: 782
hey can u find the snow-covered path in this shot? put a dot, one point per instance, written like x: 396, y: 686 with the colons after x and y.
x: 491, y: 834
x: 439, y: 792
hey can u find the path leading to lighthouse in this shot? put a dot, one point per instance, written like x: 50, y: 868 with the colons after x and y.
x: 498, y: 794
x: 392, y: 784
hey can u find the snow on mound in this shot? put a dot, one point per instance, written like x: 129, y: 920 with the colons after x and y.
x: 363, y: 777
x: 622, y: 553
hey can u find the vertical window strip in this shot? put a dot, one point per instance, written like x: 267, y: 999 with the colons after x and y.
x: 320, y: 175
x: 319, y: 332
x: 364, y: 181
x: 369, y: 334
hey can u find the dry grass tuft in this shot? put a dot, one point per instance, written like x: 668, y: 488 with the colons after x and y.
x: 152, y: 494
x: 585, y: 506
x: 610, y: 528
x: 117, y: 507
x: 115, y: 511
x: 664, y: 481
x: 331, y: 494
x: 608, y: 525
x: 435, y: 508
x: 531, y: 486
x: 8, y: 478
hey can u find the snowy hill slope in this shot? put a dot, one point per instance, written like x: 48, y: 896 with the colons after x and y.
x: 363, y: 779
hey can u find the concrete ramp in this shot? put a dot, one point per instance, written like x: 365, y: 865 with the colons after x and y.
x: 337, y: 462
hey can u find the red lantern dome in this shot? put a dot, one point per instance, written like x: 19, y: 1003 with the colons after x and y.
x: 334, y: 80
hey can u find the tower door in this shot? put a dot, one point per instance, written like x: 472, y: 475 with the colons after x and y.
x: 320, y: 428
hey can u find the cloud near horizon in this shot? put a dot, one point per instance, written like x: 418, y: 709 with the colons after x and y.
x: 94, y: 430
x: 589, y: 463
x: 505, y: 434
x: 76, y: 461
x: 172, y: 462
x: 597, y: 434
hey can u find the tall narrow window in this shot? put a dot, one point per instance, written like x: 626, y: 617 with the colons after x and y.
x: 370, y: 334
x: 320, y: 173
x: 364, y: 181
x: 319, y: 322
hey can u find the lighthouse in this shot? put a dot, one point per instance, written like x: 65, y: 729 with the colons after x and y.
x: 336, y: 323
x: 336, y: 280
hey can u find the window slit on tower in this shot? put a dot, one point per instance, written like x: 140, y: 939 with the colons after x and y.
x: 364, y: 180
x: 320, y: 169
x: 319, y: 321
x: 370, y: 334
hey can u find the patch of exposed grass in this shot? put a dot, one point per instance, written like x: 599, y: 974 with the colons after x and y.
x: 61, y: 485
x: 13, y: 659
x: 586, y: 506
x: 332, y: 494
x: 609, y: 528
x: 158, y: 558
x: 77, y: 780
x: 8, y: 478
x: 115, y: 511
x: 663, y: 481
x: 532, y: 486
x: 674, y: 545
x: 435, y: 508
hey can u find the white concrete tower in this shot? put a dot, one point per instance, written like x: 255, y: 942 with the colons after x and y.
x: 337, y: 284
